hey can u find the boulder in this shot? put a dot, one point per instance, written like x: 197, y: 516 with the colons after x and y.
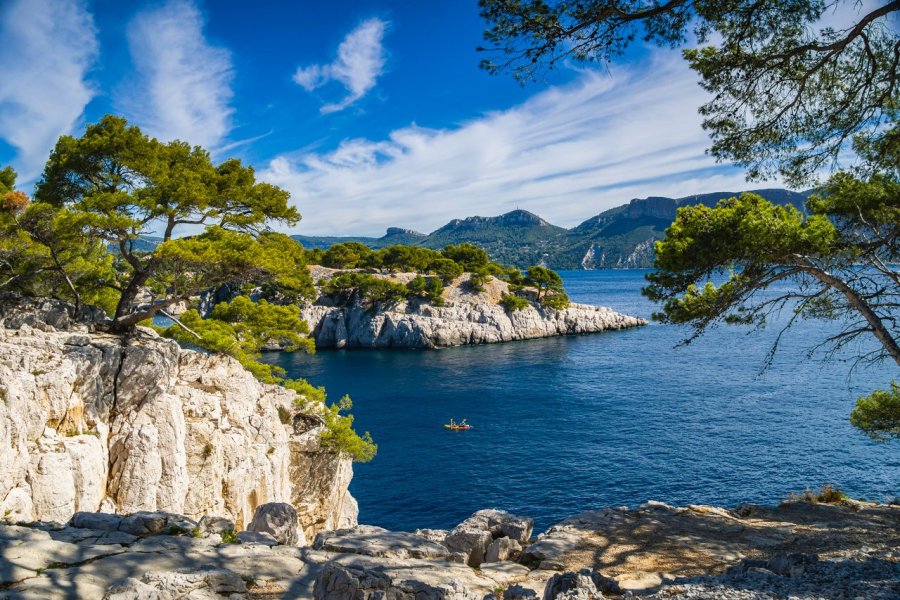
x: 572, y: 586
x: 503, y: 548
x: 470, y: 540
x: 503, y: 524
x: 435, y: 535
x: 278, y: 519
x: 212, y: 525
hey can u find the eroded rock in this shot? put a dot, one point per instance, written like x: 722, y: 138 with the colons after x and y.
x: 279, y: 520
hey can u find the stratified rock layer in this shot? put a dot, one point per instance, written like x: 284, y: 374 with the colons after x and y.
x: 92, y: 421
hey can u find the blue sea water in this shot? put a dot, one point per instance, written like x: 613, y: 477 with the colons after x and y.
x: 574, y: 423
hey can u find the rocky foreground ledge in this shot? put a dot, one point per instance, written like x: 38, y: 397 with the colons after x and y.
x: 797, y: 550
x: 465, y: 318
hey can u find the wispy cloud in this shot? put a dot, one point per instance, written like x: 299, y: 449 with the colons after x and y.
x: 567, y: 153
x: 359, y: 63
x: 47, y: 49
x: 183, y: 90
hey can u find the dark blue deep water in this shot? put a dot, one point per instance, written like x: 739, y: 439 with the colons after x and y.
x: 569, y: 424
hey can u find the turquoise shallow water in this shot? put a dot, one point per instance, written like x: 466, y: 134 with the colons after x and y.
x: 568, y: 424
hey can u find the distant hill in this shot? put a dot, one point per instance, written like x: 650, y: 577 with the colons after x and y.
x: 621, y: 237
x: 394, y: 235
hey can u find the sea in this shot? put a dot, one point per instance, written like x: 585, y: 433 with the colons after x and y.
x: 567, y: 424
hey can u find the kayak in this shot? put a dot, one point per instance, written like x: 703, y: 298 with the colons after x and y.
x: 458, y: 427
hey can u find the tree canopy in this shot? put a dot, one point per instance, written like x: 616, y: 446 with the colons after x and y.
x: 787, y: 93
x: 838, y: 260
x: 124, y: 184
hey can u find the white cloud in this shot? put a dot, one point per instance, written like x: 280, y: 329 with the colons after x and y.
x: 566, y: 154
x: 184, y: 84
x: 48, y: 47
x: 359, y: 63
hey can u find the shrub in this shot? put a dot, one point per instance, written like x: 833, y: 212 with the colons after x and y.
x: 513, y: 303
x: 229, y: 537
x: 477, y: 280
x: 446, y: 269
x: 831, y: 495
x: 406, y: 258
x: 878, y: 414
x: 284, y: 415
x: 371, y: 289
x: 304, y: 388
x: 469, y: 256
x: 340, y: 436
x: 347, y: 255
x: 558, y: 301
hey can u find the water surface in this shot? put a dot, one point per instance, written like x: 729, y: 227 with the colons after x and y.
x: 568, y: 424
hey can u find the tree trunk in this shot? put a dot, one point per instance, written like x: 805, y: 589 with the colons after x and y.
x: 856, y: 301
x: 123, y: 308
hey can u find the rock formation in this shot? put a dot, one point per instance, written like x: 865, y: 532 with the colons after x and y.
x: 465, y: 318
x: 797, y: 550
x: 92, y: 421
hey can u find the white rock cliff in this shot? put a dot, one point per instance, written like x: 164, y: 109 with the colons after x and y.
x: 91, y: 421
x: 465, y: 318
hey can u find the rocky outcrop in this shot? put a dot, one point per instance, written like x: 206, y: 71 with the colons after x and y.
x: 797, y: 550
x: 92, y: 421
x: 465, y: 318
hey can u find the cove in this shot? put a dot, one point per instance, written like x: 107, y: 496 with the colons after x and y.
x: 617, y: 418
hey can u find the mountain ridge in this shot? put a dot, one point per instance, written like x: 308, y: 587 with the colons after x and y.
x: 620, y: 237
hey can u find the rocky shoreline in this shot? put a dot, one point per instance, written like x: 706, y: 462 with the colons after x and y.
x: 465, y: 318
x: 797, y: 550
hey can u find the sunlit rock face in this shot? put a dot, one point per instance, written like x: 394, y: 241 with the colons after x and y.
x: 91, y: 421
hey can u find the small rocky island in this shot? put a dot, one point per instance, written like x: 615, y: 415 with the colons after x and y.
x: 463, y: 317
x: 131, y: 468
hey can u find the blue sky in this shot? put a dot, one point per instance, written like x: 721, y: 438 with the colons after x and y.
x: 372, y: 113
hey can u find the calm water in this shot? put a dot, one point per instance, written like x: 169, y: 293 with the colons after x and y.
x: 568, y: 424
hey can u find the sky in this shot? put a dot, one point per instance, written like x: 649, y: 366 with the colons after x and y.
x: 371, y: 113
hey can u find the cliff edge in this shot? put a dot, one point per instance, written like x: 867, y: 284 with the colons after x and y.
x: 91, y: 421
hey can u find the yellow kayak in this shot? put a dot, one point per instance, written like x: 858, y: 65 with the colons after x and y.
x: 457, y: 427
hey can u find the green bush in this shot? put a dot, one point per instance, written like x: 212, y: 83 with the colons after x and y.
x: 559, y: 301
x: 371, y: 289
x: 446, y: 269
x: 878, y: 414
x: 406, y: 258
x: 831, y: 495
x: 469, y: 256
x: 477, y: 279
x: 513, y: 303
x: 346, y: 255
x: 306, y: 389
x: 340, y: 436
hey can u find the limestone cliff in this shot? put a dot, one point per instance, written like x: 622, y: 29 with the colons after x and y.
x: 465, y: 318
x: 92, y: 421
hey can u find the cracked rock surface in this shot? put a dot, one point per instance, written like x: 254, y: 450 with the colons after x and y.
x: 797, y: 550
x: 91, y: 422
